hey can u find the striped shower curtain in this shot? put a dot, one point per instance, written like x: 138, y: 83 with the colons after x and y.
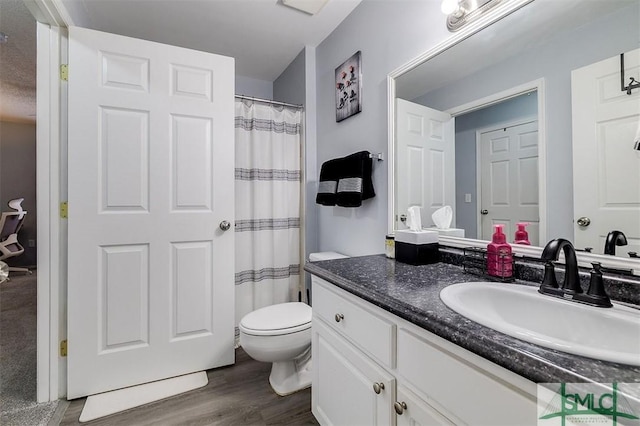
x: 267, y: 191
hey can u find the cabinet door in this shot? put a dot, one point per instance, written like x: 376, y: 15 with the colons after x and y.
x: 462, y: 390
x: 343, y: 383
x: 415, y: 412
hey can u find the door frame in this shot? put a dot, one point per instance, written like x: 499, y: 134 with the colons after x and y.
x: 479, y: 132
x: 52, y: 20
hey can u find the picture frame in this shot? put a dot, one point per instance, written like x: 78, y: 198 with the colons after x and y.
x: 348, y: 87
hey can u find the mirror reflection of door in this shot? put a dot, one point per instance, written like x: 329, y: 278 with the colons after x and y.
x: 508, y: 174
x: 606, y: 173
x: 425, y: 161
x: 512, y: 185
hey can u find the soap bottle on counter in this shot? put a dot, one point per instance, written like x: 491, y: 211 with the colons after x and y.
x: 522, y: 236
x: 499, y: 257
x: 390, y: 246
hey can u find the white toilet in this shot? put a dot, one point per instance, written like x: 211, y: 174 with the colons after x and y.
x: 281, y: 334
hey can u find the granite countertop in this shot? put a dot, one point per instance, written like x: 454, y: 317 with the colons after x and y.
x: 413, y: 293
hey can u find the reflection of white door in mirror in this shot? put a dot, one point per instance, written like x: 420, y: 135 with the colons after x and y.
x: 606, y: 173
x: 425, y: 160
x: 509, y: 179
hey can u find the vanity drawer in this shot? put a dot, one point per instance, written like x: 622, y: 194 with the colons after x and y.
x: 366, y: 329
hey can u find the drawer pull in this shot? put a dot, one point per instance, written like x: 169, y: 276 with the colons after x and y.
x: 399, y: 407
x: 378, y: 387
x: 339, y: 317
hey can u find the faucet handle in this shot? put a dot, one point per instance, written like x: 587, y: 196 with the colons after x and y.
x: 549, y: 282
x: 596, y: 294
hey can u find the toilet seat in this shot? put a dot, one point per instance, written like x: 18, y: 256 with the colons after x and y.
x: 275, y: 320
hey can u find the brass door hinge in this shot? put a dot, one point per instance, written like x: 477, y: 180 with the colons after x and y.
x: 64, y: 72
x: 64, y: 210
x: 63, y: 348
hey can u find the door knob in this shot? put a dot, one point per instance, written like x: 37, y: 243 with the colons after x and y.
x: 584, y: 221
x: 225, y: 225
x: 399, y: 407
x: 484, y: 211
x: 378, y: 387
x: 339, y: 317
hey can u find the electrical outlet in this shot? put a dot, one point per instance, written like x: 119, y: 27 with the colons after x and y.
x: 32, y: 243
x: 467, y: 198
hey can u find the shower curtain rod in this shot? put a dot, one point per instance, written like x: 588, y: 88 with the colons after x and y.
x: 267, y: 101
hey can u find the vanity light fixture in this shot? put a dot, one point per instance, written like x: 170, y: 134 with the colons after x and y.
x: 461, y: 12
x: 310, y: 7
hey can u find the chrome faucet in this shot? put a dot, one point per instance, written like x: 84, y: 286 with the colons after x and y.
x: 571, y: 283
x: 614, y: 238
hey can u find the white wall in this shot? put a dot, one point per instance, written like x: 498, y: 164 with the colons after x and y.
x: 388, y: 33
x: 18, y: 180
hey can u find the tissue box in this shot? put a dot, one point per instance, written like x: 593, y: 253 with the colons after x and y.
x: 417, y: 247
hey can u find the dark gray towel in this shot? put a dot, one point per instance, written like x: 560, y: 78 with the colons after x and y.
x: 329, y: 175
x: 355, y: 184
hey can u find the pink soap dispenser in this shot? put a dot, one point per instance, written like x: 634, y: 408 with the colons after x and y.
x: 499, y: 257
x: 522, y: 237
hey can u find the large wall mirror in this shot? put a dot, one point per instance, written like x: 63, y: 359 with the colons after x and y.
x: 484, y: 124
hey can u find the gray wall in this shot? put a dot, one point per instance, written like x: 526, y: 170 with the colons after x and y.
x: 466, y: 174
x: 553, y: 62
x: 18, y: 180
x: 290, y: 85
x: 388, y: 33
x: 253, y: 87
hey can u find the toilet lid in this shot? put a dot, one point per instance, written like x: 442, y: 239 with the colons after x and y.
x: 283, y: 316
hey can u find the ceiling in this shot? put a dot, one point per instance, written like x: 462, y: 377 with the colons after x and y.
x: 264, y: 36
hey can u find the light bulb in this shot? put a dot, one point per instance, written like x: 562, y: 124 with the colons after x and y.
x: 449, y: 6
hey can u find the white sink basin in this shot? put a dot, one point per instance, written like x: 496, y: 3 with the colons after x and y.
x: 609, y: 334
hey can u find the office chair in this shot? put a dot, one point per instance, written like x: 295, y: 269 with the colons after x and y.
x: 10, y: 224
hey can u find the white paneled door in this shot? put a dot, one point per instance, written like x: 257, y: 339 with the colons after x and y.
x: 606, y: 168
x: 425, y: 160
x: 150, y: 272
x: 509, y: 180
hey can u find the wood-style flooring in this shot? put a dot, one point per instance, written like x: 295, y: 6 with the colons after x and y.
x: 235, y: 395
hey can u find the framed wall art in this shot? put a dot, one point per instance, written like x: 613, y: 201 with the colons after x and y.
x: 349, y: 87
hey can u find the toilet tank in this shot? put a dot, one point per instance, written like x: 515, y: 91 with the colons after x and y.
x: 316, y: 257
x: 325, y: 255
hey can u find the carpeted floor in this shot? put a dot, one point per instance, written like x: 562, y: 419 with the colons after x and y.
x: 18, y: 354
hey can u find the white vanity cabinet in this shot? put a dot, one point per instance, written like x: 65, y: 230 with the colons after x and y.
x: 343, y: 380
x: 373, y: 368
